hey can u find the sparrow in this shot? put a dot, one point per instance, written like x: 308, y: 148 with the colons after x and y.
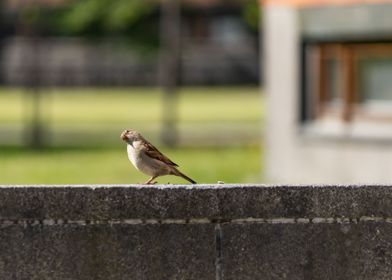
x: 148, y: 159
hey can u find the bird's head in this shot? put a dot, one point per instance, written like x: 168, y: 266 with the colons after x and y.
x: 130, y: 136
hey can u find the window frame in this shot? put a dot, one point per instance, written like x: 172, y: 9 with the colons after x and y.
x: 314, y: 101
x: 352, y: 121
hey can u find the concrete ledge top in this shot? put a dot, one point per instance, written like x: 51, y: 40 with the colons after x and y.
x: 211, y: 202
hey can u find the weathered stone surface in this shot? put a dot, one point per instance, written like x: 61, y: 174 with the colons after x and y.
x: 199, y: 232
x: 184, y: 202
x: 307, y: 251
x: 107, y: 252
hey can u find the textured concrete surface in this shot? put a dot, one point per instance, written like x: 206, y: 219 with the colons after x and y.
x: 307, y: 251
x: 200, y: 232
x: 184, y: 202
x: 107, y: 252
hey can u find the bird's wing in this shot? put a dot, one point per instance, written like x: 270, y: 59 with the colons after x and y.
x: 153, y: 152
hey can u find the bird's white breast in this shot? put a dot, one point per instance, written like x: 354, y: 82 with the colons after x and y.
x: 141, y: 161
x: 132, y: 155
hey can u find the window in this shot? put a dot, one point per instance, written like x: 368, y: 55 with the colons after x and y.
x: 347, y: 83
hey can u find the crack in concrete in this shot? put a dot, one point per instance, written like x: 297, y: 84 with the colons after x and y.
x: 152, y: 221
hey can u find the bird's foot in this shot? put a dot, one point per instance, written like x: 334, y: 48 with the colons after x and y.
x: 150, y: 183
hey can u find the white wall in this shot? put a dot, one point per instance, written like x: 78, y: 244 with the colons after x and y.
x: 291, y: 156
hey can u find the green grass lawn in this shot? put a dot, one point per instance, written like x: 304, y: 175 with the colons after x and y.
x: 219, y: 132
x: 111, y: 165
x: 143, y: 105
x: 96, y: 116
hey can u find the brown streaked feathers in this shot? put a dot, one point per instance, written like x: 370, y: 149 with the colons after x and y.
x: 153, y: 152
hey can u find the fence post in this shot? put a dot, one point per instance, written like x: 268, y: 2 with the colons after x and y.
x: 170, y: 67
x: 30, y: 28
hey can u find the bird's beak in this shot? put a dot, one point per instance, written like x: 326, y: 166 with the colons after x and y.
x: 124, y: 135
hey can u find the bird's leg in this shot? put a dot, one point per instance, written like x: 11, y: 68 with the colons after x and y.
x: 150, y: 181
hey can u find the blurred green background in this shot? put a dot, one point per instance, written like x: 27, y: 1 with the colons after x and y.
x: 219, y: 132
x: 74, y: 74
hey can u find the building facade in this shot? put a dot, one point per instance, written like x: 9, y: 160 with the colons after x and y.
x: 328, y: 83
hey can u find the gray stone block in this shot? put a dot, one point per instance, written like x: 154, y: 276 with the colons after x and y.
x: 185, y: 202
x: 307, y: 251
x: 196, y: 232
x: 107, y: 252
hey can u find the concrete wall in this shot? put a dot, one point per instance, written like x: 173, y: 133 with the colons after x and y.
x: 346, y: 21
x: 297, y: 152
x: 202, y: 232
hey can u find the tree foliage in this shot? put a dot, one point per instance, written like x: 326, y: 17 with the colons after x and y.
x: 251, y: 14
x: 99, y: 17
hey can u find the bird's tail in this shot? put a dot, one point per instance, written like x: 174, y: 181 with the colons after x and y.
x: 178, y: 173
